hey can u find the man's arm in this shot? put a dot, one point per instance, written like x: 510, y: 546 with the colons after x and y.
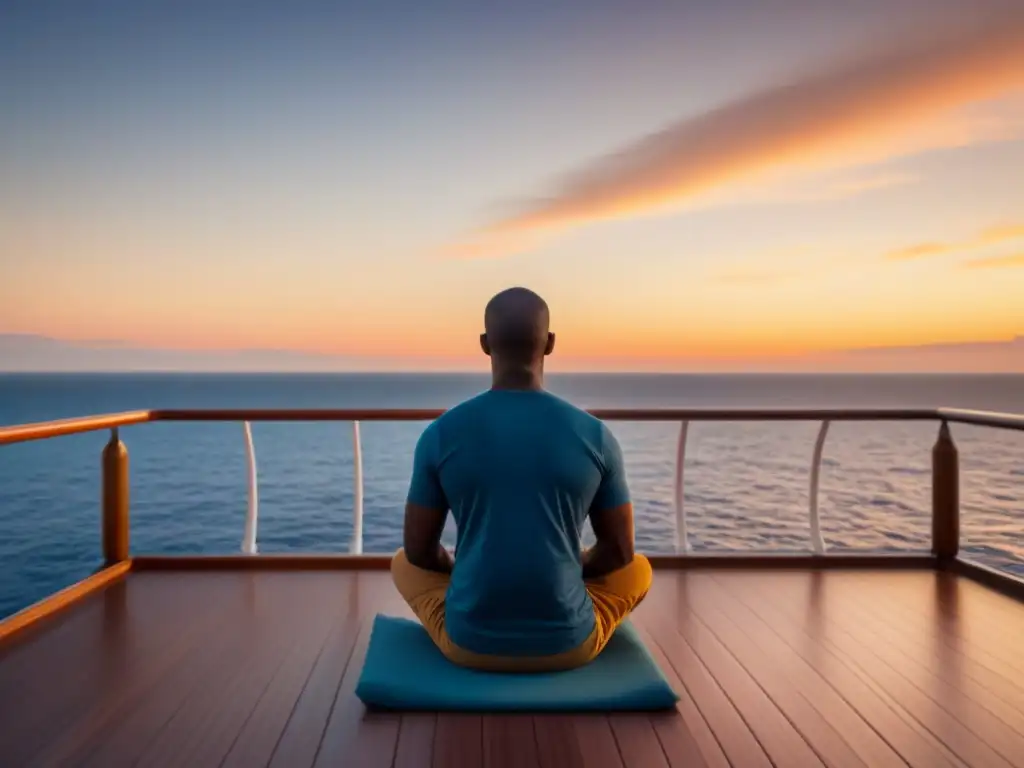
x: 611, y: 516
x: 426, y: 509
x: 422, y: 539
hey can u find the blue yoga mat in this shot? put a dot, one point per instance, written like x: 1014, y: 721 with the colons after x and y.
x: 404, y: 670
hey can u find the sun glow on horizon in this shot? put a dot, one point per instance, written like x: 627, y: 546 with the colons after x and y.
x: 294, y: 186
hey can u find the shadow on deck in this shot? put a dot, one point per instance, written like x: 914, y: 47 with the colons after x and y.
x: 784, y: 668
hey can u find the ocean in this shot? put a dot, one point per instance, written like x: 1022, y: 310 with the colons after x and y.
x: 746, y: 484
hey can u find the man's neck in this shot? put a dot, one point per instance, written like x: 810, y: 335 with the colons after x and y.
x: 529, y: 378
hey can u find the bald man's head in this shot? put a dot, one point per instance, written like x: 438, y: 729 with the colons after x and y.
x: 516, y: 328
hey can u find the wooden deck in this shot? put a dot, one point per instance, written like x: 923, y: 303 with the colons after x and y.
x: 775, y: 668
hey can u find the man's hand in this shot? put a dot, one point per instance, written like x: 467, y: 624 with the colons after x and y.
x: 614, y: 547
x: 422, y: 539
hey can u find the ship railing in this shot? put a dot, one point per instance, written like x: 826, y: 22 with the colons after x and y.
x: 118, y: 560
x: 945, y: 462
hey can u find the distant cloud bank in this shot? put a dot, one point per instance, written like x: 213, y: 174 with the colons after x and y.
x: 879, y: 107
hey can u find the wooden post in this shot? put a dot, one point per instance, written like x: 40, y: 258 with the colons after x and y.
x: 945, y: 496
x: 115, y: 500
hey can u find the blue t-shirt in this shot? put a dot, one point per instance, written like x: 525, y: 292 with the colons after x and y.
x: 520, y: 471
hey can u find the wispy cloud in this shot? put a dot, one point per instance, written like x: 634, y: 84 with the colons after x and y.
x: 754, y: 273
x: 868, y: 184
x: 920, y: 250
x: 817, y: 188
x: 1002, y: 232
x: 869, y: 110
x: 997, y: 262
x: 994, y: 235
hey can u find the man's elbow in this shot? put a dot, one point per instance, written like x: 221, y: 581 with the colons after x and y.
x: 615, y: 553
x: 417, y: 556
x: 622, y: 553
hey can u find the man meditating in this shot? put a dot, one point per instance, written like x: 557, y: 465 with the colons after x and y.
x: 520, y: 470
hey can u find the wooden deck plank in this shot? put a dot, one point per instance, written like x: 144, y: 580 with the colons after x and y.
x: 791, y: 647
x: 996, y: 607
x: 956, y: 605
x: 557, y: 746
x: 971, y: 748
x: 259, y: 668
x: 685, y: 735
x: 215, y: 716
x: 459, y: 741
x: 713, y: 707
x: 732, y: 732
x: 158, y: 723
x: 596, y: 741
x: 76, y: 667
x: 175, y: 634
x: 943, y: 666
x: 778, y: 737
x: 415, y: 748
x: 637, y: 741
x: 912, y: 657
x: 352, y: 735
x: 937, y: 616
x: 509, y: 741
x: 835, y: 731
x: 300, y: 740
x: 259, y: 737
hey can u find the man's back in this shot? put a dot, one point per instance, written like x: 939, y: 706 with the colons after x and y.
x: 520, y: 471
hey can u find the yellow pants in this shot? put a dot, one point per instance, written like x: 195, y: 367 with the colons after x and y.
x: 614, y: 597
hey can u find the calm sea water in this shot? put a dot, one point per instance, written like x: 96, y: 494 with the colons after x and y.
x: 746, y: 484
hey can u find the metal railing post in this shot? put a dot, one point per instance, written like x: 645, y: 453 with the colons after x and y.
x: 945, y: 496
x: 817, y: 542
x: 682, y: 537
x: 252, y: 512
x: 115, y: 500
x: 356, y: 545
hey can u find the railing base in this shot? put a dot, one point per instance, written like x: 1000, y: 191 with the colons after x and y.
x: 1004, y: 583
x: 271, y: 562
x: 62, y: 600
x: 790, y: 561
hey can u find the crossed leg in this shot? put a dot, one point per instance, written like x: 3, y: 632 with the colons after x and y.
x: 614, y: 596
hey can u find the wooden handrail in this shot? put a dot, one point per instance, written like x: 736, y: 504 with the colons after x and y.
x: 23, y: 433
x: 299, y: 414
x: 42, y: 430
x: 609, y: 414
x: 983, y: 418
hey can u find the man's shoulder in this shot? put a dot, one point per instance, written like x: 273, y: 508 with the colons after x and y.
x: 461, y: 411
x: 580, y: 416
x: 455, y: 418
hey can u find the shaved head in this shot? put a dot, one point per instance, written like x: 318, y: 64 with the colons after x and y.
x: 516, y: 327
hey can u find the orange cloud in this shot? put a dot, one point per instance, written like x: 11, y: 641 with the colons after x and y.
x: 872, y: 109
x: 997, y: 262
x: 994, y: 235
x: 1001, y: 233
x: 920, y: 250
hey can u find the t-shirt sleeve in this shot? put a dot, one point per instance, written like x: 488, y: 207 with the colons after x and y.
x: 425, y: 487
x: 613, y: 491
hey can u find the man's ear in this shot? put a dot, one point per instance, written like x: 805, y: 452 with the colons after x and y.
x: 550, y: 346
x: 484, y: 345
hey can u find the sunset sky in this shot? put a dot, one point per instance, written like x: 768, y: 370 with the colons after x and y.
x: 736, y: 181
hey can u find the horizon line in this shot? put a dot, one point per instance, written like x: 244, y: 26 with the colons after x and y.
x: 484, y: 374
